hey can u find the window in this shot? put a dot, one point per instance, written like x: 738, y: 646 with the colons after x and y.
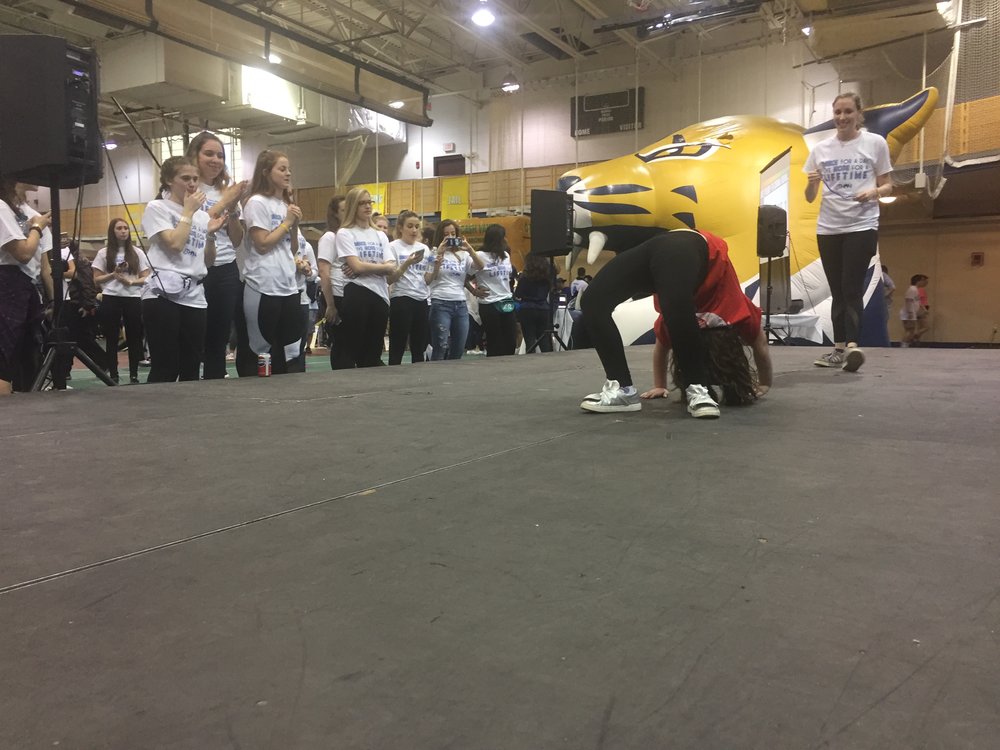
x: 173, y: 145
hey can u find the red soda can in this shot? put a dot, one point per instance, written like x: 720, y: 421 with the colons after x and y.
x: 264, y: 365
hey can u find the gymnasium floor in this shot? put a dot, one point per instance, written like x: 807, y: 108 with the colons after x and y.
x: 453, y: 555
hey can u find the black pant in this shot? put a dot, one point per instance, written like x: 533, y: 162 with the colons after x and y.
x: 341, y: 357
x: 222, y: 291
x: 114, y: 311
x: 176, y: 337
x: 408, y: 320
x: 279, y: 325
x: 365, y: 316
x: 845, y: 260
x: 500, y: 329
x: 533, y: 323
x: 671, y: 265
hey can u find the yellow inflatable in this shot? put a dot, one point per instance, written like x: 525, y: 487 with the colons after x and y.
x: 707, y: 176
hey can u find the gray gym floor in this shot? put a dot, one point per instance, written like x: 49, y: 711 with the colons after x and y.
x: 455, y: 556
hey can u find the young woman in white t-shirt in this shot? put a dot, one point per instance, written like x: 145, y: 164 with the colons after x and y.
x: 331, y: 283
x: 854, y: 168
x: 454, y: 261
x: 364, y: 251
x: 271, y: 291
x: 121, y: 270
x: 181, y: 250
x: 496, y: 305
x: 222, y: 284
x: 20, y: 306
x: 409, y: 298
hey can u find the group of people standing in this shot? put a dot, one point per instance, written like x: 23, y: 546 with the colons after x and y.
x: 369, y: 282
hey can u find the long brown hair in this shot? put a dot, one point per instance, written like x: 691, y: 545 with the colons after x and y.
x: 439, y: 231
x: 8, y: 192
x: 727, y: 365
x: 332, y: 209
x: 194, y: 150
x: 131, y: 256
x: 169, y: 170
x: 261, y: 182
x: 537, y: 268
x: 403, y: 217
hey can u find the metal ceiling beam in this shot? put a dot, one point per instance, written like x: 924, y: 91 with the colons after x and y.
x: 589, y: 7
x: 405, y: 40
x: 546, y: 34
x: 458, y: 24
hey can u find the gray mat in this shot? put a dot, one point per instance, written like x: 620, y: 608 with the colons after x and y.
x: 455, y: 556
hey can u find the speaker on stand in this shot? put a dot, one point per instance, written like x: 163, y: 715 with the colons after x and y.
x: 772, y: 237
x: 49, y: 136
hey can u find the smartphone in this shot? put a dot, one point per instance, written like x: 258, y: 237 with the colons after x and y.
x: 453, y: 241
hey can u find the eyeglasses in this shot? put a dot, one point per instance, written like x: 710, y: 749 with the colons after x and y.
x: 365, y: 203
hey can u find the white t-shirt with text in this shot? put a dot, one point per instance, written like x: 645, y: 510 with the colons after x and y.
x: 328, y: 251
x: 411, y: 283
x: 847, y: 168
x: 225, y: 251
x: 187, y: 267
x: 494, y: 277
x: 113, y: 287
x: 271, y: 273
x: 369, y: 245
x: 449, y: 286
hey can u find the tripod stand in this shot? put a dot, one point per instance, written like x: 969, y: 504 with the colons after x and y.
x: 769, y: 332
x: 553, y: 329
x: 58, y: 345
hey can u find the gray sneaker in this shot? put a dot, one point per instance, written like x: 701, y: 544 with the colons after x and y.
x: 700, y: 403
x: 831, y: 359
x: 612, y: 398
x: 854, y: 359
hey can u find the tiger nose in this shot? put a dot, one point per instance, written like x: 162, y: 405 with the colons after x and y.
x: 565, y: 183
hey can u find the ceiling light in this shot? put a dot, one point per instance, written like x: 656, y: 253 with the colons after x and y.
x: 483, y: 16
x: 110, y: 145
x: 510, y: 84
x: 274, y: 59
x: 396, y: 104
x: 807, y: 30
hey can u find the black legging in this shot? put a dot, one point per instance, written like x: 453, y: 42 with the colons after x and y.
x: 223, y: 294
x: 500, y: 329
x: 671, y: 265
x: 340, y: 353
x: 533, y: 323
x: 112, y: 312
x: 408, y: 320
x: 365, y: 316
x: 845, y: 260
x: 176, y: 337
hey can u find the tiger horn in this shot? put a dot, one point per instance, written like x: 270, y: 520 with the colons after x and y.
x: 597, y: 242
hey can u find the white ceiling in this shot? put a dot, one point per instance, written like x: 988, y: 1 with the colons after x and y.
x: 410, y: 49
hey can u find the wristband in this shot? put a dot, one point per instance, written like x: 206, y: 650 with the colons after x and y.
x: 184, y: 220
x: 36, y: 228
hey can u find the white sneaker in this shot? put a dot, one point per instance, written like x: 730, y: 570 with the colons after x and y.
x: 831, y: 359
x: 612, y: 398
x: 700, y: 403
x: 853, y: 359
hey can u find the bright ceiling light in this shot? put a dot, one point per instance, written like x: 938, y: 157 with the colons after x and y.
x: 510, y: 84
x: 396, y: 104
x: 483, y: 16
x: 274, y: 59
x: 807, y: 30
x: 110, y: 145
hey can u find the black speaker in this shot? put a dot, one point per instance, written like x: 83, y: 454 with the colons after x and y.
x: 772, y: 231
x: 48, y: 112
x: 551, y: 222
